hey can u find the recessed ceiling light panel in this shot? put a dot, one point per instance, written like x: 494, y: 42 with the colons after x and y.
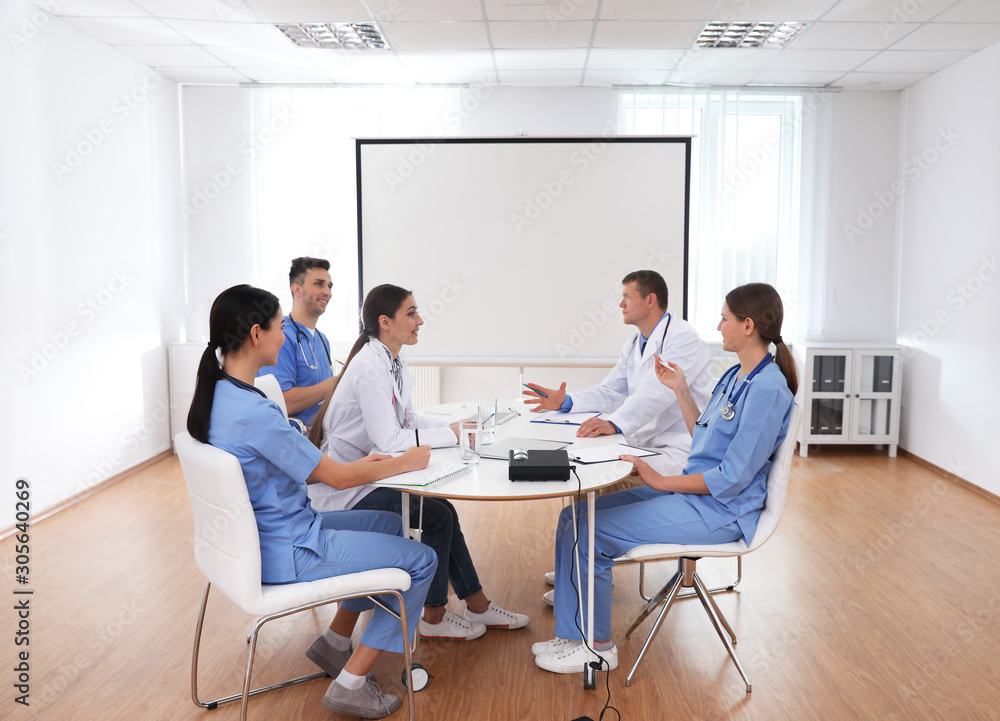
x: 748, y: 35
x: 349, y: 36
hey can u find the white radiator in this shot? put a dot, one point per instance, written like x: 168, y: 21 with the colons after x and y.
x: 427, y: 389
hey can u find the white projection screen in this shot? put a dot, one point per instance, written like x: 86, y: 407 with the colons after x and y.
x: 515, y: 248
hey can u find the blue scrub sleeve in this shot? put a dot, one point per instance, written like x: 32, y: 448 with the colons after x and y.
x: 760, y: 425
x: 288, y: 450
x: 567, y: 404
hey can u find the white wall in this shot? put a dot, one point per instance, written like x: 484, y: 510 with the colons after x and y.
x: 948, y: 274
x: 848, y: 279
x: 89, y: 256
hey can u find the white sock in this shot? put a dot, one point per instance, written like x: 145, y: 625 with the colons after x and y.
x: 606, y: 646
x: 340, y: 643
x: 350, y: 681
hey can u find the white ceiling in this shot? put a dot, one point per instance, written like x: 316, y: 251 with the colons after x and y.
x: 855, y: 44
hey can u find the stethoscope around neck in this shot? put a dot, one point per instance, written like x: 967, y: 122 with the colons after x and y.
x: 728, y: 411
x: 299, y: 335
x: 635, y: 341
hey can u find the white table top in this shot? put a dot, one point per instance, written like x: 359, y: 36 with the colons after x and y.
x: 488, y: 480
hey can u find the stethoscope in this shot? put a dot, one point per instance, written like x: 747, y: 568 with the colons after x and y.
x: 299, y: 335
x: 397, y: 407
x: 245, y: 386
x: 635, y: 340
x: 728, y: 411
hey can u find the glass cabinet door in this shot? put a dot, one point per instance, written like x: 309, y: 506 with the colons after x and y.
x: 875, y: 376
x: 830, y: 408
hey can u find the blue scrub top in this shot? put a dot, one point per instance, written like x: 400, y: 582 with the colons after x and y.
x: 293, y: 371
x: 276, y: 462
x: 734, y: 455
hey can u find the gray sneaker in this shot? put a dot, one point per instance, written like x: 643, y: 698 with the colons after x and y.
x: 366, y: 702
x: 321, y: 653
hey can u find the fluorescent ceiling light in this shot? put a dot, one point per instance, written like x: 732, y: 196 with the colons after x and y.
x: 350, y: 36
x: 747, y: 35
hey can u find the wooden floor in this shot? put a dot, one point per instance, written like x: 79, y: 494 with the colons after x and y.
x: 877, y: 598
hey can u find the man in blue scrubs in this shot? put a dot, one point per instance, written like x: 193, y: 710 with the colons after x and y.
x: 305, y: 366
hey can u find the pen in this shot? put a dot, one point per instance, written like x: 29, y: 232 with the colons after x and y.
x: 535, y: 390
x: 483, y: 424
x: 417, y: 431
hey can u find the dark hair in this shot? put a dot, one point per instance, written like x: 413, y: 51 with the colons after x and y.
x: 301, y: 266
x: 381, y: 300
x: 649, y: 281
x: 762, y: 304
x: 234, y: 313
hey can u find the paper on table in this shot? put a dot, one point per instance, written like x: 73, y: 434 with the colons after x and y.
x: 434, y: 473
x: 603, y: 454
x: 570, y: 419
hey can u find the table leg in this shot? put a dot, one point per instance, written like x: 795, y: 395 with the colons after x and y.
x: 589, y: 675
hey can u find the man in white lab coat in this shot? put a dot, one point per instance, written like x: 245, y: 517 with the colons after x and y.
x: 630, y: 399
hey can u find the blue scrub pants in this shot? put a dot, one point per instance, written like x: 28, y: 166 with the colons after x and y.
x: 361, y: 541
x: 443, y: 533
x: 625, y: 519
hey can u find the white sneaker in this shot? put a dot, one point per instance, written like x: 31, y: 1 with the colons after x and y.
x: 451, y: 628
x: 572, y: 659
x: 550, y: 578
x: 550, y: 597
x: 553, y: 646
x: 496, y: 616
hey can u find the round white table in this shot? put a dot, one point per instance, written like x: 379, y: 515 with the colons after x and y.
x: 488, y: 480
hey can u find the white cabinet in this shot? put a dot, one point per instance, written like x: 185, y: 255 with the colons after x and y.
x: 183, y: 360
x: 850, y: 393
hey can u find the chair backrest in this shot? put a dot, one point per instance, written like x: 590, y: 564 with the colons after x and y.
x: 226, y: 543
x: 777, y: 482
x: 272, y: 389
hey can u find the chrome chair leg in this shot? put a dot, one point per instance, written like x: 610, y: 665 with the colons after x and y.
x: 671, y: 594
x: 689, y: 594
x: 718, y: 621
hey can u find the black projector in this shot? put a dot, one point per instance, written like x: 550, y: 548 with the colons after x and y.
x: 540, y: 465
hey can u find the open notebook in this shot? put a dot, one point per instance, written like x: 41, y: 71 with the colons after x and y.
x: 434, y: 473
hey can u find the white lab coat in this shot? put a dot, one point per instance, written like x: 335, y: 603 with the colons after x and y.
x: 643, y: 409
x: 362, y: 417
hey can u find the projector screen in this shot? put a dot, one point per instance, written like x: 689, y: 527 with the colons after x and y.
x: 515, y: 248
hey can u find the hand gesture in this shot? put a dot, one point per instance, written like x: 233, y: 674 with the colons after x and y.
x: 670, y: 374
x: 596, y: 427
x: 552, y: 399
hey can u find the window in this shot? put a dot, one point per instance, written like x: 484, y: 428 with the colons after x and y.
x: 744, y: 222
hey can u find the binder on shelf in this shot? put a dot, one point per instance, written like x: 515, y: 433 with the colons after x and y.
x: 865, y: 417
x: 866, y: 383
x: 824, y: 418
x: 839, y: 372
x: 827, y: 368
x: 880, y: 417
x: 883, y: 373
x: 837, y: 423
x: 814, y: 418
x: 816, y: 373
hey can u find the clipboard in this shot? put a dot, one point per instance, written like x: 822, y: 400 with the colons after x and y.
x: 566, y: 419
x: 605, y: 454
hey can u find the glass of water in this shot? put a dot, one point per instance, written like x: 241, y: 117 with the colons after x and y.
x: 488, y: 418
x: 470, y: 437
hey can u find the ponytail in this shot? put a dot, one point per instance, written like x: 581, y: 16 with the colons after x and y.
x: 381, y: 300
x: 234, y: 313
x: 316, y: 429
x: 761, y: 302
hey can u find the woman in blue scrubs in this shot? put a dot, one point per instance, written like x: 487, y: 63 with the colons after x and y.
x: 718, y: 497
x: 296, y: 542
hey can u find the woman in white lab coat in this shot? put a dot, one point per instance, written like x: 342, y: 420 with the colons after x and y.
x: 368, y: 408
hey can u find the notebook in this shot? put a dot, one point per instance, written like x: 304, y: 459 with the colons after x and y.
x: 432, y: 475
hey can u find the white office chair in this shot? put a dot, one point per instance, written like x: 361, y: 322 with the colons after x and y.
x: 227, y: 550
x: 272, y: 389
x: 687, y: 555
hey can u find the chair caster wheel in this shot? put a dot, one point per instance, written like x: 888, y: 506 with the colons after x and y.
x: 420, y: 677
